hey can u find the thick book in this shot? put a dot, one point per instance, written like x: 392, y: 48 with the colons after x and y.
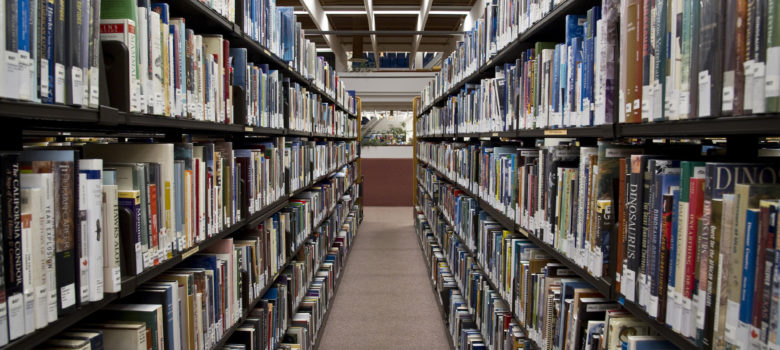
x: 122, y: 335
x: 149, y: 314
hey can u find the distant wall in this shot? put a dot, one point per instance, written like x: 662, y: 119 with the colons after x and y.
x: 388, y: 175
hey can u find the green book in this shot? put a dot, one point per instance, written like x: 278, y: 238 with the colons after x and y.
x: 149, y: 314
x: 772, y: 90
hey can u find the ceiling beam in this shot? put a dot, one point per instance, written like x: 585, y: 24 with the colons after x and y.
x: 320, y: 19
x: 421, y: 19
x: 384, y: 32
x: 369, y: 4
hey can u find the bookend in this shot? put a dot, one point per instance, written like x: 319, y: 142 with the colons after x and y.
x: 116, y: 61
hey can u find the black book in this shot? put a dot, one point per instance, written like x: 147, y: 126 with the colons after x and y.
x: 60, y: 54
x: 712, y: 22
x: 74, y: 59
x: 12, y: 229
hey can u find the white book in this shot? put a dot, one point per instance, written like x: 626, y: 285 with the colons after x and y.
x: 112, y: 277
x: 161, y: 153
x: 156, y: 64
x: 143, y: 60
x: 45, y: 181
x: 92, y: 169
x: 31, y: 272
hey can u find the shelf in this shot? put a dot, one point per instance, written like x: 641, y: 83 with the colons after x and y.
x: 599, y: 131
x: 666, y: 332
x: 498, y: 216
x: 36, y: 338
x: 335, y: 288
x: 549, y: 28
x: 764, y: 124
x: 60, y: 120
x: 130, y: 283
x: 604, y: 287
x: 478, y: 265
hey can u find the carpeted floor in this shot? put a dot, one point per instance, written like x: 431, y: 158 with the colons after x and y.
x: 385, y: 299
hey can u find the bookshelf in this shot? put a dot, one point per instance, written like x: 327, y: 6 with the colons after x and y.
x: 22, y: 119
x: 744, y: 134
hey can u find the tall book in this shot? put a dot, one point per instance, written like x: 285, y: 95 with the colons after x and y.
x: 64, y: 165
x: 710, y: 74
x: 91, y: 171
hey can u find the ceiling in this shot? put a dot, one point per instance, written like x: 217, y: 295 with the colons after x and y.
x: 445, y: 18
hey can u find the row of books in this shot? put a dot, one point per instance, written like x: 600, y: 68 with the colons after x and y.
x: 193, y: 305
x: 556, y: 309
x: 51, y: 58
x: 308, y: 160
x: 501, y: 23
x: 171, y: 70
x: 307, y: 112
x: 549, y: 85
x: 492, y: 315
x: 78, y: 220
x: 697, y: 59
x: 461, y: 325
x: 685, y: 252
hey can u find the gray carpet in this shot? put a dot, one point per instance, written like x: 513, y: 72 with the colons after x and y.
x: 385, y: 299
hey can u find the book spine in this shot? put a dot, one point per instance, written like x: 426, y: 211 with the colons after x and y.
x: 14, y: 277
x: 46, y: 51
x: 772, y: 80
x: 112, y: 277
x: 93, y: 60
x: 123, y: 30
x: 65, y: 254
x: 74, y: 75
x: 130, y: 221
x: 689, y: 286
x: 30, y: 211
x: 92, y: 170
x: 82, y: 240
x: 59, y: 55
x: 748, y: 271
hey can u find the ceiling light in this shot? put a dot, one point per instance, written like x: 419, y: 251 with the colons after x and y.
x: 324, y: 49
x: 300, y: 12
x: 396, y: 12
x: 449, y: 13
x: 346, y: 12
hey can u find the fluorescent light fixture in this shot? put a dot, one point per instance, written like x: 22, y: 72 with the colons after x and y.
x: 324, y: 49
x: 449, y: 13
x: 300, y: 12
x: 346, y: 12
x: 396, y: 12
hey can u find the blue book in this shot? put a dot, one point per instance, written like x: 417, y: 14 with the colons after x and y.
x: 646, y: 342
x: 47, y: 95
x: 558, y: 67
x: 160, y: 294
x: 287, y: 33
x: 749, y: 267
x: 568, y: 285
x: 23, y: 25
x: 588, y: 96
x: 207, y: 262
x: 238, y: 58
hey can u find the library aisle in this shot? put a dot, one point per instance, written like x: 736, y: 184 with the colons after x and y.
x: 385, y: 300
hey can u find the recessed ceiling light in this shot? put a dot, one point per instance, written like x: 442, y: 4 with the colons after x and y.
x: 346, y: 12
x: 324, y: 49
x: 450, y: 13
x: 396, y: 12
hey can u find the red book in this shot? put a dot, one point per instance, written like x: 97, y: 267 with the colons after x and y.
x: 765, y: 243
x: 695, y: 209
x: 153, y: 215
